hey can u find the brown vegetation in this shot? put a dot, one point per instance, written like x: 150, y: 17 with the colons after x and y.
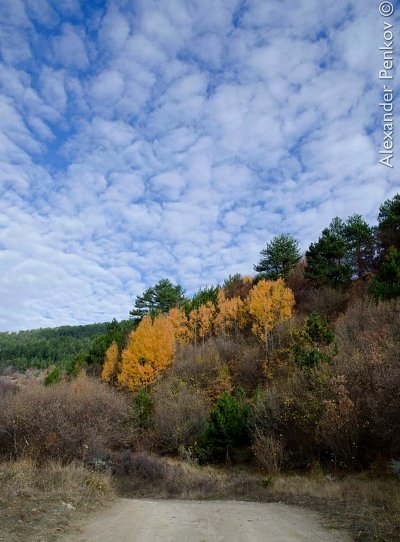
x: 41, y: 502
x: 78, y: 420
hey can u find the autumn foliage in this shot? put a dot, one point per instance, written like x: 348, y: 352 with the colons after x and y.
x: 111, y: 364
x: 240, y: 307
x: 150, y: 350
x: 269, y: 303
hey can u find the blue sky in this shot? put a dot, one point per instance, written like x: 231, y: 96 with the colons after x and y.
x: 173, y: 138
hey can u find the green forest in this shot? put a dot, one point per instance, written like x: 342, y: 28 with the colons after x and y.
x: 40, y: 348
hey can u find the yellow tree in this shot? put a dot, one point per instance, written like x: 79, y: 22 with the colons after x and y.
x: 269, y: 303
x: 111, y: 364
x: 231, y: 313
x: 201, y: 321
x: 180, y: 324
x: 150, y: 350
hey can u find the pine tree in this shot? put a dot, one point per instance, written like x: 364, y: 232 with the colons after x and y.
x: 278, y: 258
x: 158, y: 299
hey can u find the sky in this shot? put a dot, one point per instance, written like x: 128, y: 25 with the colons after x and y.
x: 150, y: 139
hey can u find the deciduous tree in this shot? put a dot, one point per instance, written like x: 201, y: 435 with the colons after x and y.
x: 269, y: 303
x: 111, y: 364
x: 150, y: 350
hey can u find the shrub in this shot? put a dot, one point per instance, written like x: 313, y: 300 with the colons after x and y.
x: 82, y: 419
x: 53, y: 376
x: 204, y: 366
x: 327, y: 301
x: 369, y: 360
x: 143, y: 407
x: 222, y: 363
x: 180, y: 414
x: 268, y: 451
x: 289, y: 411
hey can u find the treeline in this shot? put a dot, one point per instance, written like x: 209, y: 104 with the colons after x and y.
x: 48, y: 346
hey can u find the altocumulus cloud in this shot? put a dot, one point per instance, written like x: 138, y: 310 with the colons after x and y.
x: 172, y: 139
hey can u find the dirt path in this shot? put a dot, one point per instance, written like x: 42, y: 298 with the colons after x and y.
x: 131, y: 520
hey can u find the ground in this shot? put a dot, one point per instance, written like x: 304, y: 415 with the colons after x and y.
x: 135, y: 520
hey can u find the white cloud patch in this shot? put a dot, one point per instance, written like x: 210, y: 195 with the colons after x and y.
x: 69, y: 47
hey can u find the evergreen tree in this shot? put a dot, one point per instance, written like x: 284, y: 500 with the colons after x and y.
x: 386, y: 283
x: 158, y: 299
x: 227, y: 427
x: 279, y: 258
x: 359, y: 237
x: 327, y: 259
x: 389, y: 223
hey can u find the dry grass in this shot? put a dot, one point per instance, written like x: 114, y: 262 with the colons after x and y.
x: 147, y: 476
x: 368, y: 507
x: 40, y: 503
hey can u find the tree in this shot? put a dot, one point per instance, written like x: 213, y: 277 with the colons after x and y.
x: 201, y: 321
x: 315, y: 339
x: 327, y: 259
x: 278, y: 258
x: 231, y: 313
x: 111, y: 364
x: 150, y: 351
x: 180, y: 322
x: 389, y: 223
x: 269, y: 303
x: 238, y: 286
x: 386, y: 283
x: 359, y: 237
x: 227, y: 427
x: 202, y: 297
x: 158, y: 299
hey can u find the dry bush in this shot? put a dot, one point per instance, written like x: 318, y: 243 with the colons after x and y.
x: 180, y: 414
x: 221, y: 364
x: 268, y: 451
x: 6, y: 388
x: 202, y: 365
x: 33, y: 498
x: 78, y: 420
x: 369, y: 360
x: 143, y: 475
x: 297, y: 282
x: 289, y: 411
x: 325, y: 300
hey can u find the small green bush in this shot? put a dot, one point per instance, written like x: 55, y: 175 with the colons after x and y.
x: 227, y: 427
x: 53, y: 376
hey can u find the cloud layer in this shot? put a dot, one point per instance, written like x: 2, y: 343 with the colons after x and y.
x: 173, y: 139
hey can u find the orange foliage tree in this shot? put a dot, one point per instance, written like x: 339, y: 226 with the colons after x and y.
x: 180, y: 322
x: 201, y: 321
x: 111, y: 364
x: 232, y: 313
x: 269, y: 303
x: 150, y: 350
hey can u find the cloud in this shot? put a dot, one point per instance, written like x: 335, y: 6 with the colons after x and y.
x: 173, y: 139
x: 69, y: 47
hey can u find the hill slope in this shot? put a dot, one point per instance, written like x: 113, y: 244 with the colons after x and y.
x: 43, y: 347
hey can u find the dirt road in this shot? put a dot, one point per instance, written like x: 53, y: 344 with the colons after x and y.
x: 131, y: 520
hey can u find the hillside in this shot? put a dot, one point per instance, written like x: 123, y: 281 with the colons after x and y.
x: 43, y: 347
